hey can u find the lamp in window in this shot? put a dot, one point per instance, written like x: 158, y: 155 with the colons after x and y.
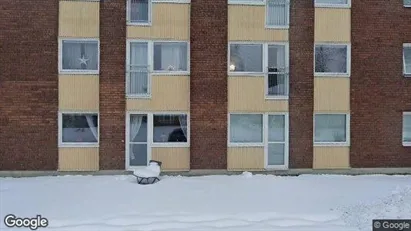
x: 232, y: 67
x: 170, y: 68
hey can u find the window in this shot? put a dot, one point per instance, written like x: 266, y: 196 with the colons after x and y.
x: 332, y: 3
x: 79, y: 128
x: 170, y: 56
x: 246, y: 58
x: 407, y: 59
x: 277, y: 13
x: 332, y: 60
x: 145, y: 58
x: 276, y: 140
x: 246, y: 128
x: 331, y: 129
x: 407, y: 3
x: 79, y: 56
x: 246, y: 2
x: 277, y: 77
x: 139, y: 11
x: 170, y: 128
x: 406, y: 129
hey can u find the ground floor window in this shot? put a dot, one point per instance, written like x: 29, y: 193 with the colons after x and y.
x: 269, y: 131
x: 146, y: 130
x: 406, y: 129
x: 78, y: 129
x: 331, y: 129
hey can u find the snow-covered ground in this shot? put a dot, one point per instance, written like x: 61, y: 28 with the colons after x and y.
x: 230, y: 203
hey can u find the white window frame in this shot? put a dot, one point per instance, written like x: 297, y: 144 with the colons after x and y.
x: 248, y: 73
x: 247, y: 2
x: 265, y: 142
x: 405, y: 45
x: 406, y: 5
x: 404, y: 143
x: 77, y: 72
x: 150, y: 132
x: 347, y: 131
x: 71, y: 144
x: 150, y: 61
x: 334, y: 74
x: 150, y: 15
x: 332, y: 5
x: 171, y: 1
x: 277, y: 26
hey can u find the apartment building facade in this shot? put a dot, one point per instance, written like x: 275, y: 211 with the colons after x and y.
x: 90, y: 85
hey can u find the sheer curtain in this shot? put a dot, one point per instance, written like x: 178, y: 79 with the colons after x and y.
x: 139, y: 10
x: 74, y: 51
x: 183, y: 124
x: 135, y: 125
x: 93, y: 128
x: 138, y: 76
x: 173, y: 57
x: 277, y: 12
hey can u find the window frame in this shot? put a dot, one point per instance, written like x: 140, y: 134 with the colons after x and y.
x: 406, y: 5
x: 150, y: 64
x: 405, y: 143
x: 77, y: 72
x: 334, y: 74
x: 76, y: 145
x: 248, y: 73
x: 347, y: 131
x: 332, y: 5
x: 150, y: 15
x: 405, y: 45
x: 265, y: 132
x: 278, y: 26
x: 247, y: 2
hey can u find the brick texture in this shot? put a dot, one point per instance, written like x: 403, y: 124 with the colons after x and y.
x: 112, y: 84
x: 301, y: 101
x: 28, y: 84
x: 379, y: 92
x: 208, y: 84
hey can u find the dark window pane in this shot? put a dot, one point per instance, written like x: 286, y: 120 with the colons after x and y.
x: 80, y: 128
x: 169, y: 128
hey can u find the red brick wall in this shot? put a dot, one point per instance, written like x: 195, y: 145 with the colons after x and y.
x: 28, y: 85
x: 379, y: 92
x: 112, y: 84
x: 208, y: 84
x: 301, y: 101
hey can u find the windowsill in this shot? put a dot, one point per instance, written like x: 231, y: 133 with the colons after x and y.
x: 138, y: 96
x: 406, y: 144
x: 76, y: 72
x: 170, y: 145
x: 407, y: 75
x: 79, y: 145
x: 145, y: 24
x: 344, y: 6
x: 407, y: 6
x: 244, y: 145
x: 331, y: 144
x: 276, y: 167
x: 279, y: 97
x: 172, y: 1
x: 337, y: 75
x: 261, y: 3
x: 277, y: 27
x: 156, y: 73
x: 245, y: 74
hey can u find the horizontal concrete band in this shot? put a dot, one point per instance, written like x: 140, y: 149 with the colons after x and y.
x: 206, y: 172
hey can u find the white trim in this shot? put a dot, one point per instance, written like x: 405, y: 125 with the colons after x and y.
x: 286, y: 141
x: 150, y: 15
x: 77, y: 72
x: 331, y: 74
x: 278, y: 26
x: 347, y: 130
x: 62, y: 144
x: 404, y: 143
x: 333, y: 5
x: 405, y: 45
x: 247, y: 2
x: 172, y: 1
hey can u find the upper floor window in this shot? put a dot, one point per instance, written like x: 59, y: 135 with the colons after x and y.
x: 331, y: 129
x: 277, y: 13
x: 79, y: 56
x: 139, y: 11
x: 332, y: 3
x: 406, y: 129
x: 332, y: 60
x: 407, y: 3
x: 407, y: 59
x: 246, y: 2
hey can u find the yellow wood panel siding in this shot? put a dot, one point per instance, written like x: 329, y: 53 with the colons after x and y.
x: 169, y: 93
x: 79, y: 19
x: 79, y: 92
x: 246, y: 94
x: 332, y: 25
x: 247, y: 23
x: 331, y: 94
x: 170, y: 21
x: 79, y: 159
x: 331, y: 157
x: 245, y: 158
x: 173, y: 159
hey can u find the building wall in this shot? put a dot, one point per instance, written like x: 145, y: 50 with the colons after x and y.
x: 28, y: 85
x: 379, y: 92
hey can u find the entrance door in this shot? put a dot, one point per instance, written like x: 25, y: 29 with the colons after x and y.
x: 277, y: 141
x: 137, y: 140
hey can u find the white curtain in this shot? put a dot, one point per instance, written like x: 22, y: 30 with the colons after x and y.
x: 135, y: 125
x: 93, y: 129
x: 277, y: 12
x: 331, y: 1
x: 138, y: 10
x: 183, y: 124
x: 138, y: 76
x: 173, y: 57
x: 73, y: 51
